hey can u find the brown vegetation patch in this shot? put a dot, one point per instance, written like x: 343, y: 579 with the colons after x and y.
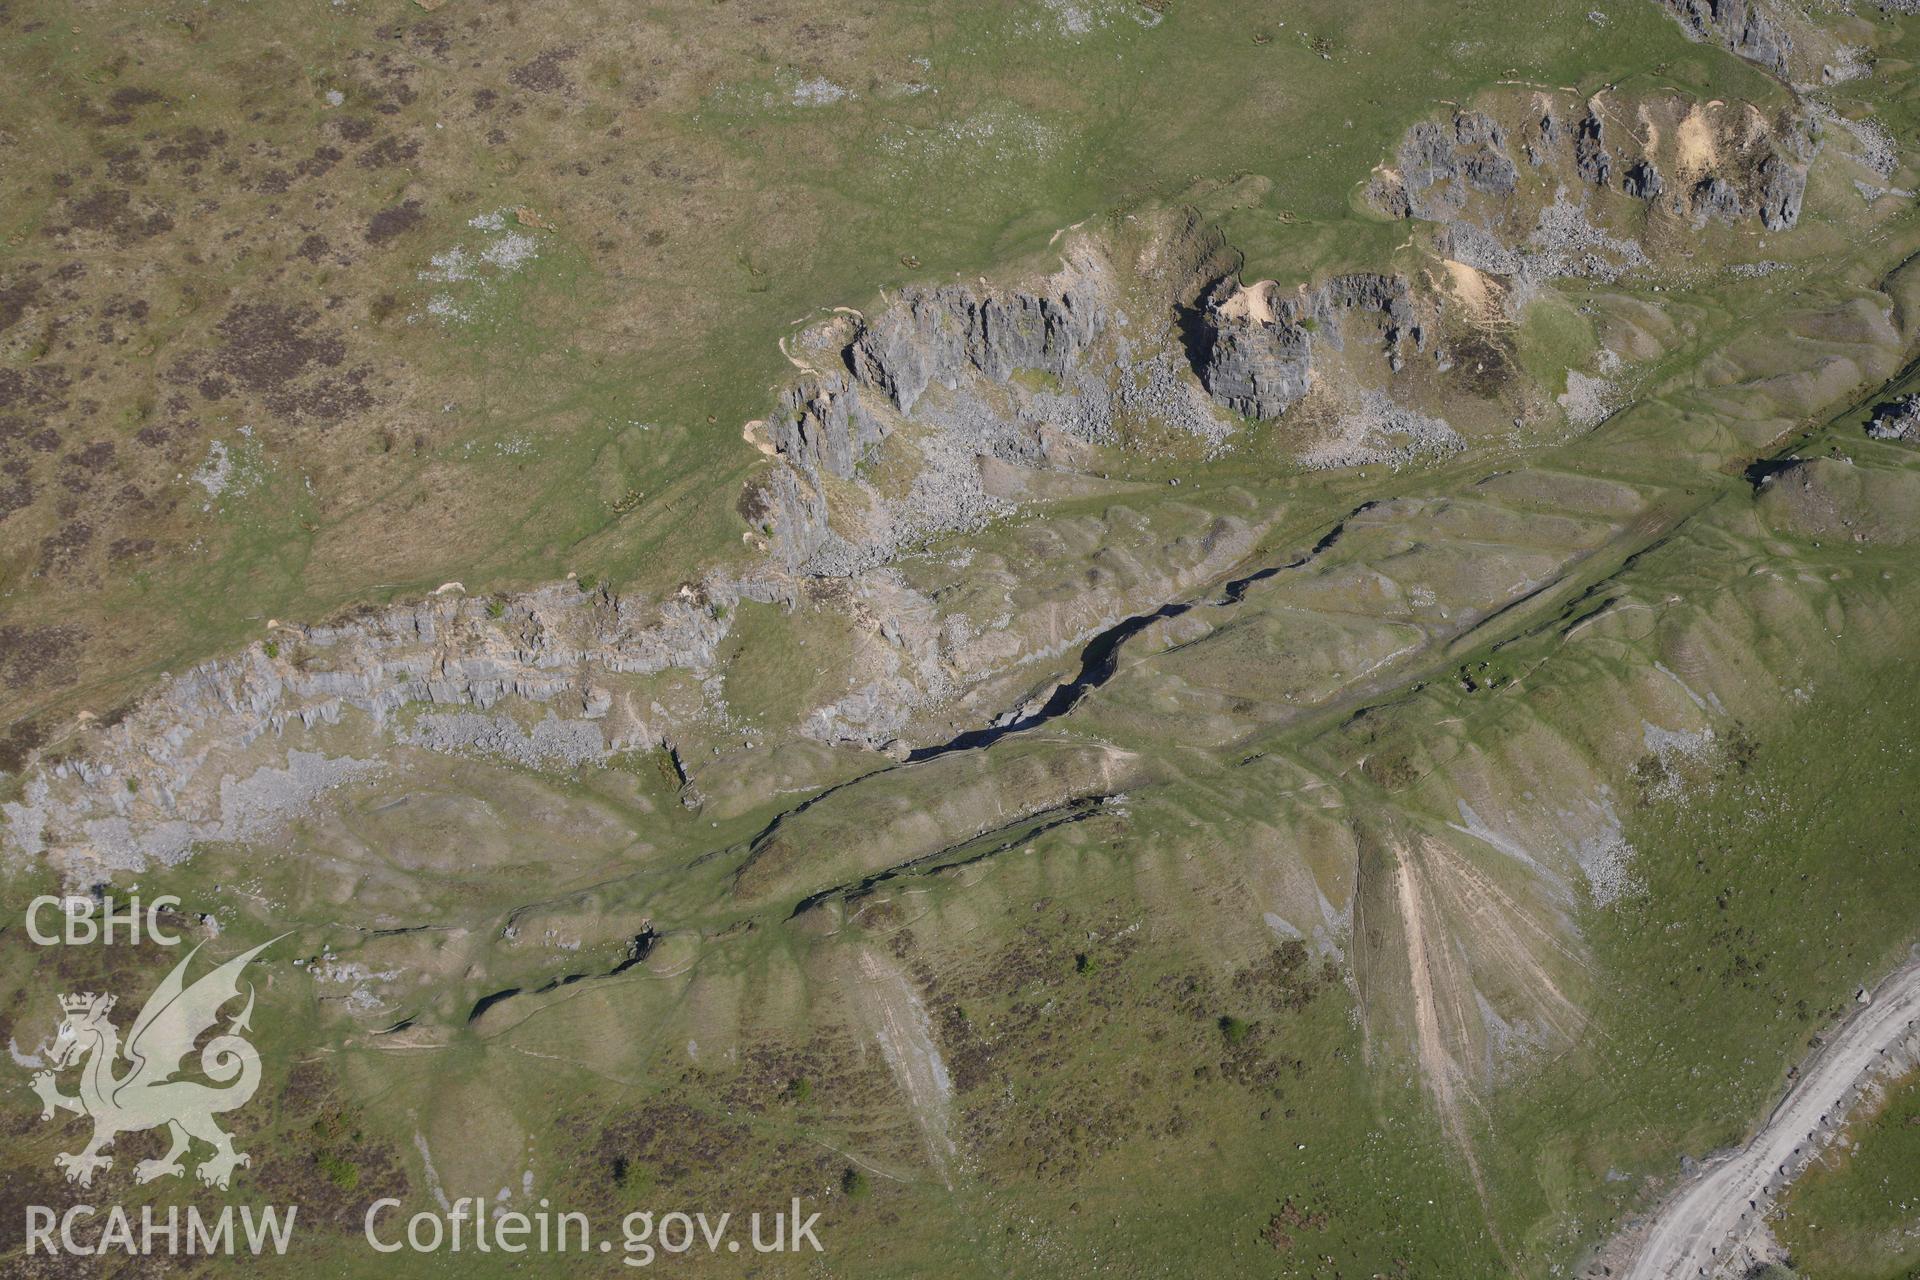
x: 393, y: 221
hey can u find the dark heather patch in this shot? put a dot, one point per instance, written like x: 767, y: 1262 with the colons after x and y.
x: 352, y: 128
x: 190, y: 145
x: 126, y: 99
x: 65, y: 545
x: 31, y: 388
x: 38, y: 654
x: 543, y: 74
x: 17, y: 743
x: 322, y: 159
x: 111, y: 210
x: 388, y: 223
x: 390, y: 150
x: 268, y: 344
x: 129, y: 548
x: 15, y: 297
x: 282, y: 354
x: 96, y: 457
x: 16, y: 489
x: 126, y: 164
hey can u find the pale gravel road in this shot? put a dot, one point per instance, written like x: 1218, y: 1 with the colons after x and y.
x: 1697, y: 1226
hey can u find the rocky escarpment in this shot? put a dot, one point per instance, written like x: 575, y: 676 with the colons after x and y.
x: 873, y: 379
x: 1471, y: 149
x: 1742, y: 27
x: 821, y: 432
x: 823, y: 427
x: 1527, y: 189
x: 881, y: 444
x: 1527, y: 186
x: 566, y: 676
x: 203, y: 759
x: 938, y: 335
x: 1261, y: 338
x: 1699, y: 161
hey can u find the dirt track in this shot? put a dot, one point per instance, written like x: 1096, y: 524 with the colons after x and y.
x: 1702, y: 1223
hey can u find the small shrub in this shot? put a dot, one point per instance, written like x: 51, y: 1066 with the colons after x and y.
x: 272, y: 650
x: 854, y: 1183
x: 341, y: 1173
x: 1234, y: 1029
x: 496, y: 610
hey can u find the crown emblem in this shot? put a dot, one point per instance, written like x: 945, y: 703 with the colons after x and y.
x: 86, y: 1002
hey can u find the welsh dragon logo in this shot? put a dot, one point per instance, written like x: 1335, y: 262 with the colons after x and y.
x: 146, y: 1095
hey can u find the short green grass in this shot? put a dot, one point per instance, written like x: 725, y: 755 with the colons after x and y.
x: 1854, y: 1214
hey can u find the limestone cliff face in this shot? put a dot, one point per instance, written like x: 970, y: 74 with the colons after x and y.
x: 1742, y: 27
x: 936, y: 335
x: 1257, y: 368
x: 201, y: 759
x: 1471, y: 148
x: 1783, y: 187
x: 1699, y: 162
x: 871, y: 378
x: 1713, y: 161
x: 821, y: 432
x: 1262, y: 338
x: 822, y: 427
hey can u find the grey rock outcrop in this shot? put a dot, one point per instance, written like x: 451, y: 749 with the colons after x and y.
x: 821, y: 517
x: 1387, y: 298
x: 819, y: 430
x: 1258, y: 370
x: 1783, y: 186
x: 1642, y: 180
x: 821, y: 426
x: 1716, y: 198
x: 1437, y: 160
x: 790, y: 509
x: 1759, y: 174
x: 935, y: 335
x: 216, y: 753
x: 1546, y: 140
x: 1901, y: 423
x: 1260, y: 355
x: 1740, y: 26
x: 1590, y: 157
